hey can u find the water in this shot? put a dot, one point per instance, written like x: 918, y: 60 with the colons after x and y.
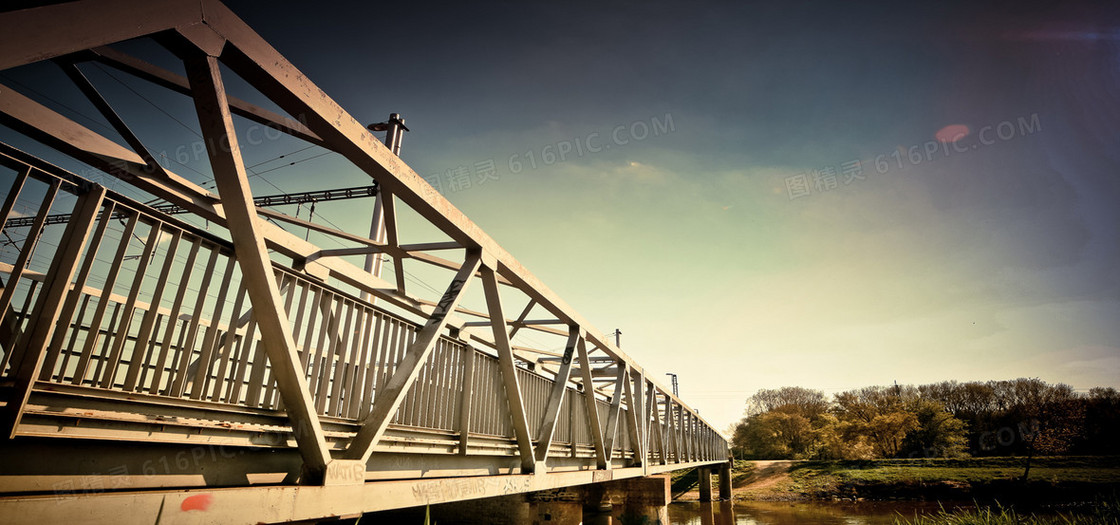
x: 799, y: 513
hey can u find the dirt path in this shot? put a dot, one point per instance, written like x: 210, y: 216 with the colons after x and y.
x: 766, y: 475
x: 768, y: 481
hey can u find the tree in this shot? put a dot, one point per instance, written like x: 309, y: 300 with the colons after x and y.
x: 780, y: 423
x: 939, y: 433
x: 879, y: 415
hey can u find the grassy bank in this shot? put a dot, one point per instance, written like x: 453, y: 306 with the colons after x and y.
x: 1052, y: 479
x: 1104, y: 513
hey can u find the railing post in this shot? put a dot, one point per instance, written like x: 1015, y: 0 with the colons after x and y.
x: 465, y: 398
x: 44, y: 318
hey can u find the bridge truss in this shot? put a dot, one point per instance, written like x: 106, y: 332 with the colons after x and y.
x: 215, y: 364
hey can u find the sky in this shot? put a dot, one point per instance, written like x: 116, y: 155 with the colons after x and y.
x: 815, y: 194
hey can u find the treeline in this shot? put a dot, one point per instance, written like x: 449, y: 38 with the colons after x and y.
x: 947, y: 419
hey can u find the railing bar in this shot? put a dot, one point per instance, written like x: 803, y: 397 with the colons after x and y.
x: 228, y: 340
x: 269, y: 384
x: 297, y: 327
x: 357, y: 368
x: 147, y: 351
x: 130, y: 306
x: 360, y: 367
x: 363, y: 383
x: 210, y: 340
x: 17, y: 332
x: 76, y: 327
x: 13, y: 195
x: 313, y: 309
x: 445, y: 404
x: 249, y: 348
x: 71, y: 301
x: 376, y: 341
x: 29, y: 243
x: 173, y: 320
x: 145, y: 333
x: 323, y: 374
x: 179, y: 384
x: 105, y: 345
x: 481, y: 399
x: 425, y: 386
x: 466, y: 393
x: 434, y: 385
x: 103, y: 301
x: 409, y: 405
x: 260, y: 362
x: 443, y: 379
x: 345, y: 339
x: 324, y: 307
x: 181, y: 350
x: 390, y: 352
x: 454, y: 368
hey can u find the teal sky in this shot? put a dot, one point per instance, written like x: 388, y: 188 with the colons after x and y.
x: 992, y: 257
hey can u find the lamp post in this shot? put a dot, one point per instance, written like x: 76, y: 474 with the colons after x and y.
x: 394, y: 129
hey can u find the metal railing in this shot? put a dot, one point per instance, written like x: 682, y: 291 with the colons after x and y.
x: 158, y: 307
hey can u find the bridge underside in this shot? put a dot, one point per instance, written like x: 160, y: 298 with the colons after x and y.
x: 216, y: 366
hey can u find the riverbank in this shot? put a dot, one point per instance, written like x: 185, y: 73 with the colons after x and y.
x: 1052, y: 480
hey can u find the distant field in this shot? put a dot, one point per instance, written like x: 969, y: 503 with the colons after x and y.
x: 1055, y: 469
x: 1051, y: 478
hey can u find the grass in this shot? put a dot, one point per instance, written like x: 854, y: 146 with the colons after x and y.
x: 1104, y: 470
x: 1103, y: 513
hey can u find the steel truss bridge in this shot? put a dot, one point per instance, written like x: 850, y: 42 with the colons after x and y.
x: 212, y: 366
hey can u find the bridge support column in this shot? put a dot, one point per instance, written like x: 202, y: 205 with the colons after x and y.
x: 705, y: 483
x: 644, y: 500
x: 725, y: 481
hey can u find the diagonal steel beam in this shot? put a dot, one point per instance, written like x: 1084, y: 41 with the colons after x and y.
x: 253, y: 259
x: 87, y: 88
x: 509, y: 369
x: 556, y: 397
x: 179, y: 84
x: 633, y: 408
x: 616, y: 406
x: 601, y: 458
x: 389, y: 398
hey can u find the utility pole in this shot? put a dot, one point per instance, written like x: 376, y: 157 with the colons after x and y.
x: 617, y: 338
x: 674, y: 378
x: 394, y: 129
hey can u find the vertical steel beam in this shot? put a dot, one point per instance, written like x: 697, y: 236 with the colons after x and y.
x: 508, y: 368
x: 389, y: 397
x: 44, y: 318
x: 252, y: 257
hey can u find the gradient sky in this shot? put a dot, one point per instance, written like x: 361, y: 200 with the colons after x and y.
x: 995, y: 260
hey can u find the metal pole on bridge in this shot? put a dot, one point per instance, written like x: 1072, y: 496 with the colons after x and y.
x: 394, y: 129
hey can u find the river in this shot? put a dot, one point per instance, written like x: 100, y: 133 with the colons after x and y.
x: 799, y: 513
